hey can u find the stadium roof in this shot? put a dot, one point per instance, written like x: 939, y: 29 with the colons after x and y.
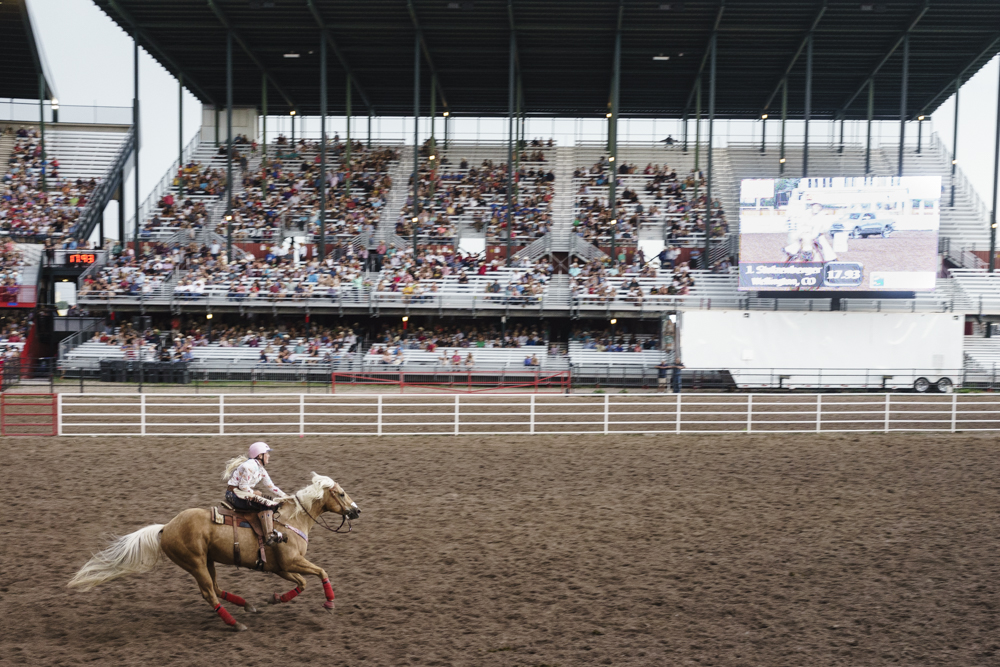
x: 20, y: 54
x: 565, y: 51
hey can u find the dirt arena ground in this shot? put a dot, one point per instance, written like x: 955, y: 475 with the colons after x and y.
x: 533, y: 551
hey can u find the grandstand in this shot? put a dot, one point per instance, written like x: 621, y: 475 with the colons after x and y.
x: 417, y: 226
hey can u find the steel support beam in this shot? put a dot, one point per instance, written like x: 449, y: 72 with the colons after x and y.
x: 954, y: 143
x: 989, y: 49
x: 795, y: 57
x: 138, y: 142
x: 996, y: 183
x: 321, y: 248
x: 613, y: 134
x: 41, y: 125
x: 180, y: 139
x: 704, y: 58
x: 229, y: 146
x: 925, y: 5
x: 328, y: 37
x: 808, y: 107
x: 427, y: 54
x: 784, y: 122
x: 708, y: 181
x: 263, y: 106
x: 902, y: 102
x: 868, y: 131
x: 416, y: 141
x: 152, y: 47
x: 511, y: 83
x: 224, y: 20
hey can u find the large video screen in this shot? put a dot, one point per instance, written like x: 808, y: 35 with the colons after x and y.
x: 840, y: 233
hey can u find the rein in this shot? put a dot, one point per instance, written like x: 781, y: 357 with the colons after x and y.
x: 322, y: 523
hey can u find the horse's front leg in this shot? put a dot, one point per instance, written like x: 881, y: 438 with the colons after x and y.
x: 302, y: 566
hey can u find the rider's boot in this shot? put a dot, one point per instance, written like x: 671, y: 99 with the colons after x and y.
x: 271, y: 536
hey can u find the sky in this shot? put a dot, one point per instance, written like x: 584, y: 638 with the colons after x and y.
x: 90, y: 61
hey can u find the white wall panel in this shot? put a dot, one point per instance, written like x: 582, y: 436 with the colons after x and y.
x: 736, y: 340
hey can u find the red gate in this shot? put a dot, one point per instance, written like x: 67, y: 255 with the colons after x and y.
x: 29, y: 414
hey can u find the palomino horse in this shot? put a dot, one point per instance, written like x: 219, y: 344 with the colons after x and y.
x: 195, y: 543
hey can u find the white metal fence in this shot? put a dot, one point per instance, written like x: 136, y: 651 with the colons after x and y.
x: 515, y: 414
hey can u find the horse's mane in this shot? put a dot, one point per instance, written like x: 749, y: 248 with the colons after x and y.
x: 308, y: 495
x: 231, y: 466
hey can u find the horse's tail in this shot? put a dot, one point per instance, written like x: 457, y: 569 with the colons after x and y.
x: 134, y: 553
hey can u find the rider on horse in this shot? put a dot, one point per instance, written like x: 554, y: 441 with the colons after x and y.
x: 243, y: 474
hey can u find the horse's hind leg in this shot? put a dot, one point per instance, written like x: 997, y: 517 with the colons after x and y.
x: 300, y: 585
x: 228, y: 597
x: 207, y: 585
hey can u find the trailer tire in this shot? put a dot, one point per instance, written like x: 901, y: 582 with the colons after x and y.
x: 944, y: 386
x: 921, y: 385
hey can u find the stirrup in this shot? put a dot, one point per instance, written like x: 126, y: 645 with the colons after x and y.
x: 274, y: 538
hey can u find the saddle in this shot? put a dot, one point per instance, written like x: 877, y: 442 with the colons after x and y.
x: 226, y: 515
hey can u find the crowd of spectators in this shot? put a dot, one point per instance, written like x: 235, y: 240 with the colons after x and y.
x: 284, y: 191
x: 29, y: 211
x: 420, y: 278
x: 676, y: 201
x: 605, y: 281
x: 14, y: 327
x: 608, y: 341
x: 477, y: 195
x: 285, y: 345
x: 272, y: 278
x: 124, y: 275
x: 390, y: 346
x: 11, y: 267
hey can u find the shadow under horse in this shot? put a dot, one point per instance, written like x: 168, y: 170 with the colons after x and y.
x: 194, y: 542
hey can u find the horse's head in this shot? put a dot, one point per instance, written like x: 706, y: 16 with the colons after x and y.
x: 335, y: 499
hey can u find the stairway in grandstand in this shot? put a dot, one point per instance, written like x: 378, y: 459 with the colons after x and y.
x: 84, y: 154
x: 6, y: 148
x: 982, y: 354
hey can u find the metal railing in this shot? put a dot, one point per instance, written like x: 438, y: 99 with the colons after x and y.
x: 354, y: 414
x: 98, y: 200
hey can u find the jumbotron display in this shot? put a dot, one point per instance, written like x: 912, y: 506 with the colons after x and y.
x: 840, y: 233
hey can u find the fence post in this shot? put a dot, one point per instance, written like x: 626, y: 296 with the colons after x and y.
x: 59, y: 414
x: 302, y: 415
x: 456, y: 413
x: 887, y: 412
x: 379, y: 422
x: 749, y: 412
x: 954, y: 411
x: 222, y: 414
x: 142, y: 414
x: 532, y: 424
x: 607, y: 412
x: 819, y: 412
x: 678, y: 413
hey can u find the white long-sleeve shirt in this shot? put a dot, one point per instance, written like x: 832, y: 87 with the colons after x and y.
x: 249, y: 474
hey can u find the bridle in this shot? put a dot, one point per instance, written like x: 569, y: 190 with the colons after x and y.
x: 320, y: 520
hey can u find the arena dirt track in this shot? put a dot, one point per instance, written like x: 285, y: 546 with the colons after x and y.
x: 564, y: 550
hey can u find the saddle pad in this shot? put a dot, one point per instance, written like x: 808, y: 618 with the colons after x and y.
x: 221, y: 519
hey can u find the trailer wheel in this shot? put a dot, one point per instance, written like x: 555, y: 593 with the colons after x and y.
x: 921, y: 385
x: 945, y: 386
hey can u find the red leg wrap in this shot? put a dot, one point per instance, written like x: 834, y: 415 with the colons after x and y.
x: 328, y: 589
x: 225, y: 615
x: 235, y: 599
x: 290, y: 595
